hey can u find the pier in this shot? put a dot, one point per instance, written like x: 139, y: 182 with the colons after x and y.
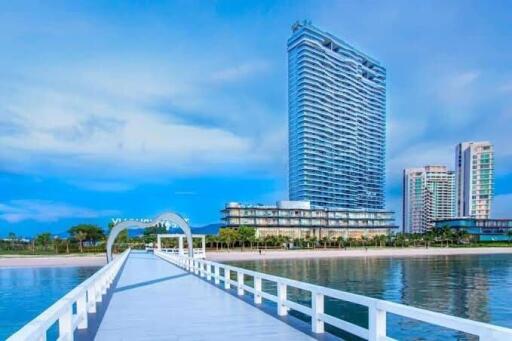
x: 168, y: 296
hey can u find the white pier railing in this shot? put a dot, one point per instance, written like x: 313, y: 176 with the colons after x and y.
x: 378, y: 309
x: 198, y: 252
x: 83, y: 298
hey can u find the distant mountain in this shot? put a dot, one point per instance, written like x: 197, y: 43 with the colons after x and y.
x: 207, y: 229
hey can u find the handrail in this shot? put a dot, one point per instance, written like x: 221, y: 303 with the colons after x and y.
x: 85, y: 296
x: 377, y: 308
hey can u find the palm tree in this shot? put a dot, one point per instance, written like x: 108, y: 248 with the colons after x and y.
x: 509, y: 235
x: 80, y: 236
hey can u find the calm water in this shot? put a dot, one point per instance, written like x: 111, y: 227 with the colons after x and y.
x: 478, y: 287
x: 26, y: 292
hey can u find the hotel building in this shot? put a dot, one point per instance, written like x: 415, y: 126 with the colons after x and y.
x: 298, y: 219
x: 337, y: 122
x: 474, y: 163
x: 479, y: 229
x: 429, y: 194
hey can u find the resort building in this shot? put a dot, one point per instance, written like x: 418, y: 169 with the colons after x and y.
x: 298, y: 219
x: 474, y: 163
x: 480, y: 229
x: 429, y: 194
x: 337, y: 122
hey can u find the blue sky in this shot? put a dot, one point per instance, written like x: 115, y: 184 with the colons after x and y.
x: 125, y: 109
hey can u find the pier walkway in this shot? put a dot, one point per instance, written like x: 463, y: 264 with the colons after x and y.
x: 169, y: 296
x: 156, y: 300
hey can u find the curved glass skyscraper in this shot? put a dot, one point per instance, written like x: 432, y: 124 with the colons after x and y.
x: 337, y: 122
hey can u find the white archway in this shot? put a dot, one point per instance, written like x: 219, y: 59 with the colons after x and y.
x: 133, y: 224
x: 180, y: 242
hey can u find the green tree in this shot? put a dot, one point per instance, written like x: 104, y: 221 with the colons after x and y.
x: 93, y: 233
x: 12, y: 239
x: 246, y: 234
x: 228, y: 236
x: 43, y: 239
x: 80, y: 236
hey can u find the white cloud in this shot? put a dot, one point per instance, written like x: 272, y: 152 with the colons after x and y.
x: 16, y: 211
x: 108, y: 123
x: 103, y: 186
x: 239, y: 72
x: 458, y: 93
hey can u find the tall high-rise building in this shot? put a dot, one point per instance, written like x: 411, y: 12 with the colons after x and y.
x: 474, y: 164
x: 429, y: 194
x: 337, y: 121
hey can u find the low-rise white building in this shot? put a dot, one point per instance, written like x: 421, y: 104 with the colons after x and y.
x: 298, y: 219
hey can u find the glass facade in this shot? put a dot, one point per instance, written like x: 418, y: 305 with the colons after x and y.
x: 337, y: 118
x: 482, y: 229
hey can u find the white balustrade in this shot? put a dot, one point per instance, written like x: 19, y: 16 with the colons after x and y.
x: 377, y: 309
x: 84, y: 297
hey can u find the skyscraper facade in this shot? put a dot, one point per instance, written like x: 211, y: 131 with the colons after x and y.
x: 474, y: 165
x: 337, y: 122
x: 429, y: 194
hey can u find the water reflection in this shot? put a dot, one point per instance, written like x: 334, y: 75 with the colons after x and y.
x: 26, y: 292
x: 469, y: 286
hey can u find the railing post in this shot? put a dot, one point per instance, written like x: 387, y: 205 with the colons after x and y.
x: 240, y: 280
x: 317, y: 307
x: 281, y: 298
x: 81, y: 312
x: 217, y: 274
x: 257, y: 290
x: 376, y: 323
x: 97, y: 290
x: 227, y: 278
x: 91, y: 299
x: 209, y: 271
x: 202, y: 268
x: 66, y: 325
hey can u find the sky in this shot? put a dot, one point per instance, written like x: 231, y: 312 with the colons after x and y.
x: 127, y: 109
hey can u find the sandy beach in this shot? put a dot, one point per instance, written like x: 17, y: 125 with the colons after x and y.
x: 333, y: 253
x: 51, y: 261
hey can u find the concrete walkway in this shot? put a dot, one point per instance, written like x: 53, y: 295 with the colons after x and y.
x: 155, y: 300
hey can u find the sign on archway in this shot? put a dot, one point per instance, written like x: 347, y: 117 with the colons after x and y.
x: 168, y: 217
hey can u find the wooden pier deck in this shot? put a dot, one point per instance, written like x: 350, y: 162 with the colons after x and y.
x: 156, y: 300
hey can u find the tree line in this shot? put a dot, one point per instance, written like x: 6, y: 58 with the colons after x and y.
x: 92, y: 238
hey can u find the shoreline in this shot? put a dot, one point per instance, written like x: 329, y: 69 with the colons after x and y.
x: 223, y: 256
x: 45, y: 261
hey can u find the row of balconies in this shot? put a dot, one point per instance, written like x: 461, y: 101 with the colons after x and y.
x: 292, y: 222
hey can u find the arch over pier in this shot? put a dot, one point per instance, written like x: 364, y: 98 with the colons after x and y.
x: 133, y: 224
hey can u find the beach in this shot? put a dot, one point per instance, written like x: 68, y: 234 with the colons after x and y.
x: 15, y: 261
x: 237, y: 255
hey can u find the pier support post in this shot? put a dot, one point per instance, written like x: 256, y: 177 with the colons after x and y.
x: 66, y: 325
x: 227, y: 279
x: 317, y: 305
x: 257, y: 290
x: 376, y: 323
x: 281, y: 298
x: 240, y: 280
x: 217, y: 274
x: 81, y: 311
x: 91, y: 300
